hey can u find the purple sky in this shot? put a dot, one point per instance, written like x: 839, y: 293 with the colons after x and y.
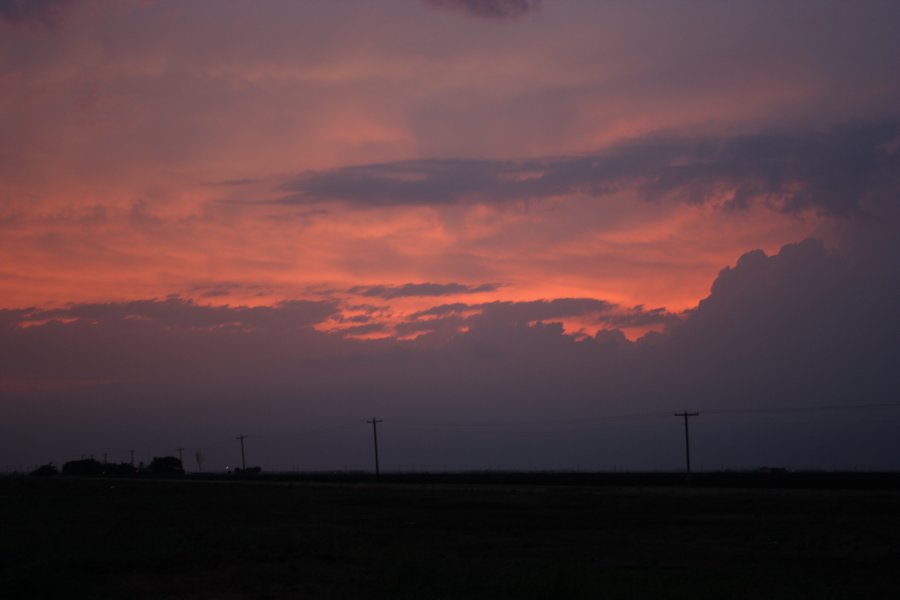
x: 522, y: 233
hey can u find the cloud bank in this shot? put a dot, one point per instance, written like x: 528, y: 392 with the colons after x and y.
x: 830, y: 172
x: 803, y: 327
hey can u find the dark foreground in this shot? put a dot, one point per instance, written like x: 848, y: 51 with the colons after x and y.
x: 136, y: 539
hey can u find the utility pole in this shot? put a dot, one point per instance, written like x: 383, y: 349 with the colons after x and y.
x: 687, y: 439
x: 375, y: 423
x: 180, y: 458
x: 242, y: 437
x: 132, y: 458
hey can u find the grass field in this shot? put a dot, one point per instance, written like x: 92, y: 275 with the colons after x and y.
x: 137, y: 539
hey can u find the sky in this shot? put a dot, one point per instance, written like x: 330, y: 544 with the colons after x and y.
x: 521, y: 232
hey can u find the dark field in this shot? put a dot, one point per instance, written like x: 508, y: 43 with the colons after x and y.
x: 135, y: 539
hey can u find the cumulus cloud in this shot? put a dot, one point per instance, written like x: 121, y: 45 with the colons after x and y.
x: 831, y: 172
x: 491, y: 9
x: 803, y: 326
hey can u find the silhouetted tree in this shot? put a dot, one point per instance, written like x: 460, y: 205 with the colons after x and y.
x: 47, y: 470
x: 85, y: 466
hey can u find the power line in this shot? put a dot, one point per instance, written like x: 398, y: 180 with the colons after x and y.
x: 530, y: 423
x: 587, y: 420
x: 796, y: 409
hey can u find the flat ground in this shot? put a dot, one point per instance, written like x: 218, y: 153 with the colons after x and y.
x: 137, y: 539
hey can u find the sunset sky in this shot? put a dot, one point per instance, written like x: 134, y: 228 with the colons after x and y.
x: 522, y: 232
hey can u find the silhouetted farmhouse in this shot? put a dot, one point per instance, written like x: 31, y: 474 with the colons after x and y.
x: 165, y: 465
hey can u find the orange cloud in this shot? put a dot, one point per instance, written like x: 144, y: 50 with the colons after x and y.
x: 146, y: 149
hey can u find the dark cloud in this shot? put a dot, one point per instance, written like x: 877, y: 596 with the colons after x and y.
x: 522, y: 314
x: 832, y: 172
x: 440, y: 310
x: 517, y: 314
x: 353, y: 319
x: 492, y: 9
x: 639, y: 317
x: 32, y: 12
x: 489, y: 318
x: 11, y: 318
x: 449, y: 325
x: 541, y: 310
x: 178, y: 313
x: 421, y: 289
x: 361, y: 330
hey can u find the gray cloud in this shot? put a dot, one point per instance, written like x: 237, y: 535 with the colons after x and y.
x: 492, y: 9
x: 541, y: 310
x: 32, y: 12
x: 831, y: 172
x: 487, y: 319
x: 441, y: 310
x: 357, y: 330
x: 520, y: 314
x: 178, y: 313
x: 421, y: 289
x: 443, y: 326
